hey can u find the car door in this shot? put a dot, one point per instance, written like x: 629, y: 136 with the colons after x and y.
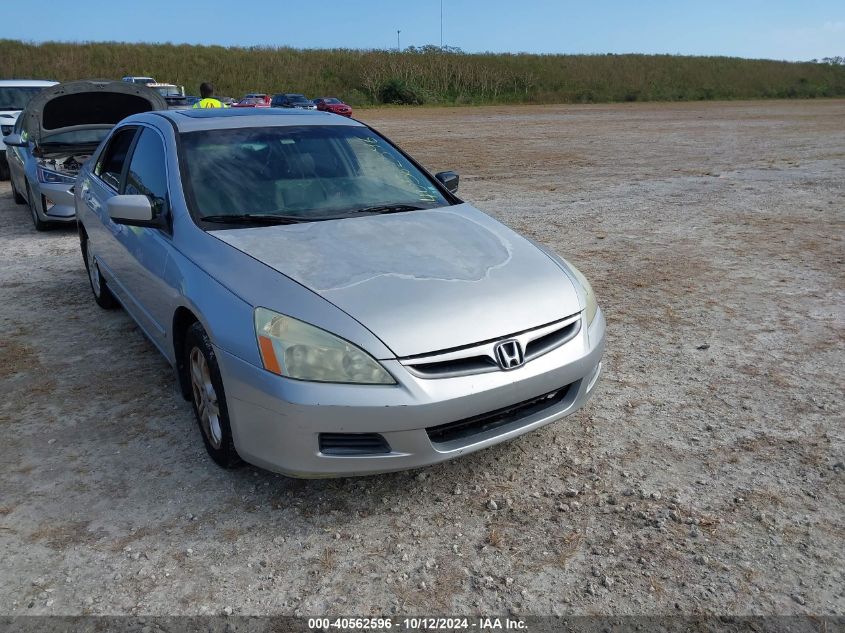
x: 104, y: 182
x: 139, y: 254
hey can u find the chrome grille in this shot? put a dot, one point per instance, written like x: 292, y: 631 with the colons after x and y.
x: 480, y: 358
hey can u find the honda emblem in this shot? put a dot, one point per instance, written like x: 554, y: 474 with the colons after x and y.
x: 509, y: 354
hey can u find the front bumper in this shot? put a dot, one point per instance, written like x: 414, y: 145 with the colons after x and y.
x: 276, y: 422
x: 54, y: 202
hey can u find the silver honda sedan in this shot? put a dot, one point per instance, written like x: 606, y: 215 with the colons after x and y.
x: 329, y: 307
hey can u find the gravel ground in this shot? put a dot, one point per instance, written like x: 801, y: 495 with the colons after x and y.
x: 706, y: 475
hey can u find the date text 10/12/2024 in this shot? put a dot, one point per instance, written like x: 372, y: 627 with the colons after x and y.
x: 418, y: 624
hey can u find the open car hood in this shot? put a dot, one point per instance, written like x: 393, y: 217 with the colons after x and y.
x: 86, y: 105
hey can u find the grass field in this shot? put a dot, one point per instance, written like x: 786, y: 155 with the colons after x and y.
x: 429, y: 75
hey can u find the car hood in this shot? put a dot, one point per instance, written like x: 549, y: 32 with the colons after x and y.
x: 86, y: 105
x: 421, y: 281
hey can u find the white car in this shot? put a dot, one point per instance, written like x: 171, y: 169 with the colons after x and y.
x: 144, y: 81
x: 14, y: 95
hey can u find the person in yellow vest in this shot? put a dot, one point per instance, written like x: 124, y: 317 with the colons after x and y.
x: 207, y: 101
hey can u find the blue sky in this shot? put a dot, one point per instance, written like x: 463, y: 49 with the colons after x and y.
x: 777, y: 29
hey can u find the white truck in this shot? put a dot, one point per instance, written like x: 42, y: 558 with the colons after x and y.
x: 174, y: 94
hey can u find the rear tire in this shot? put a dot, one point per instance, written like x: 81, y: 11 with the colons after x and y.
x: 102, y: 295
x: 4, y: 170
x: 208, y: 398
x: 38, y: 223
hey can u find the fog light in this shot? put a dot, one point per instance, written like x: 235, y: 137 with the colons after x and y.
x: 48, y: 204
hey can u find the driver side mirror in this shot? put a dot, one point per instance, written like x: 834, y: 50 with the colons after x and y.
x: 132, y: 210
x: 15, y: 140
x: 449, y: 179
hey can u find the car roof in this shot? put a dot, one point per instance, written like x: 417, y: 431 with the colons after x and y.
x: 196, y: 119
x: 27, y: 83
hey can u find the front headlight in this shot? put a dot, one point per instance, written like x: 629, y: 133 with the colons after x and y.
x: 51, y: 177
x: 295, y: 349
x: 592, y: 306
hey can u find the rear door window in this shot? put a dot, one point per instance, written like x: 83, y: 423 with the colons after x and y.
x: 110, y: 164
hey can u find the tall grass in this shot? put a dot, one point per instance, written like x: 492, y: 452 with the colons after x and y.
x: 428, y: 75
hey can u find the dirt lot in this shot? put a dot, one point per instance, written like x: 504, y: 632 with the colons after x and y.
x: 705, y: 476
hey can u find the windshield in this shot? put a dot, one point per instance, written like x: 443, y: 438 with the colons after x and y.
x: 331, y: 100
x: 302, y: 173
x: 298, y: 99
x: 16, y: 97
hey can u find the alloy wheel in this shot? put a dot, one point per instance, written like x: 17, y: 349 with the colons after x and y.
x: 205, y: 398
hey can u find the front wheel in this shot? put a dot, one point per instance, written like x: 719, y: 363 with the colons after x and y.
x: 38, y: 223
x: 208, y: 398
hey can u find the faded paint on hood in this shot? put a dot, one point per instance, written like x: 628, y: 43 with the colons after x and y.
x: 421, y: 281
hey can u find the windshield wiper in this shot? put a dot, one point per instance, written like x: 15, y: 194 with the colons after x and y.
x: 253, y: 218
x: 389, y: 208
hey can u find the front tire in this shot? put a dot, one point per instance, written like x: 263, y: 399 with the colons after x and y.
x: 38, y: 223
x: 102, y: 295
x: 208, y: 398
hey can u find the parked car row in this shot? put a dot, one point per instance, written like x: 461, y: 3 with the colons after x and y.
x: 329, y: 307
x: 176, y: 98
x: 294, y: 100
x: 250, y: 100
